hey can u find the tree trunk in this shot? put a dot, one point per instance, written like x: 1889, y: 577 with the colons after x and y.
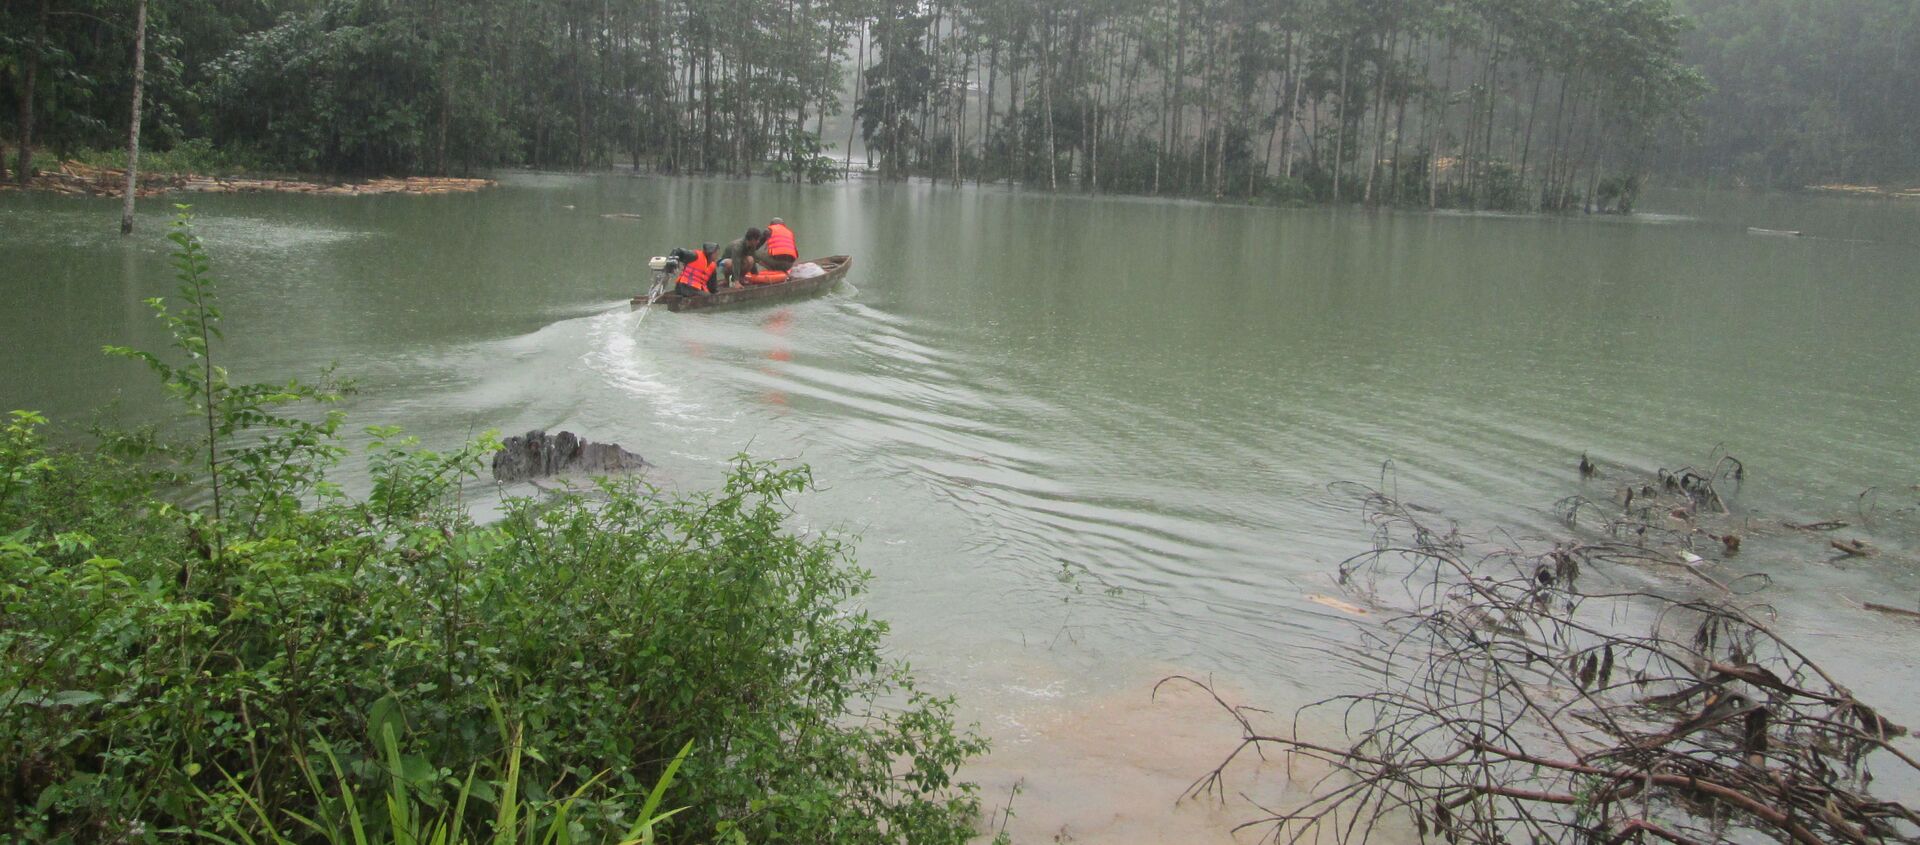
x: 1289, y: 91
x: 1554, y: 145
x: 1440, y: 132
x: 1340, y: 130
x: 1016, y: 159
x: 1294, y: 100
x: 958, y: 104
x: 1493, y: 103
x: 28, y: 82
x: 580, y: 101
x: 1227, y: 123
x: 1166, y: 110
x: 1093, y: 120
x: 1414, y: 42
x: 133, y: 127
x: 1526, y: 147
x: 1179, y: 91
x: 859, y: 80
x: 1388, y: 43
x: 986, y: 121
x: 1046, y: 102
x: 1209, y: 88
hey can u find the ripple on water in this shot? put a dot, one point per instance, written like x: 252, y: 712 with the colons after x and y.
x: 640, y: 371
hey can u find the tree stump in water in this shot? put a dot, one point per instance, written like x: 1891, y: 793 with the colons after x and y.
x: 538, y: 455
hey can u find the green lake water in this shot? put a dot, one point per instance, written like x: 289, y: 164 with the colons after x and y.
x: 1086, y: 442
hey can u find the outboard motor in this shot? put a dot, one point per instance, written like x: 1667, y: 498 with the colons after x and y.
x: 666, y: 270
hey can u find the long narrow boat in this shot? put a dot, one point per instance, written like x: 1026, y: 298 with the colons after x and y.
x: 835, y: 265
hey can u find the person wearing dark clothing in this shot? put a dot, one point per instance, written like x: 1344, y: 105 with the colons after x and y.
x: 737, y: 254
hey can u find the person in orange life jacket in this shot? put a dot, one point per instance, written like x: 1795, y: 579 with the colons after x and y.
x: 778, y: 251
x: 696, y: 271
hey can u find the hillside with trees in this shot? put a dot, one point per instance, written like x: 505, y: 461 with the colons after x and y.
x: 1806, y: 91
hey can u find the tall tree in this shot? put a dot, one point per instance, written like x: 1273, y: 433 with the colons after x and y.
x: 133, y: 121
x: 29, y: 75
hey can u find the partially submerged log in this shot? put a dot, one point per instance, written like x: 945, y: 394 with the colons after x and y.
x: 538, y: 454
x: 1891, y: 610
x: 1852, y: 548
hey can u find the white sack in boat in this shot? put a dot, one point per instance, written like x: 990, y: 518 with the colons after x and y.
x: 805, y: 271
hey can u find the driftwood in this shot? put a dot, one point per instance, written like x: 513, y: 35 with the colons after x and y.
x: 539, y: 455
x: 1892, y: 611
x: 1851, y: 548
x: 1515, y: 705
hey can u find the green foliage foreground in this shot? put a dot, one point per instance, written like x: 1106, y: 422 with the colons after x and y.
x: 214, y: 642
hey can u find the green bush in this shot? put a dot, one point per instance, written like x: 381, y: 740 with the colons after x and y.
x: 194, y: 155
x: 1617, y: 194
x: 804, y: 158
x: 215, y: 640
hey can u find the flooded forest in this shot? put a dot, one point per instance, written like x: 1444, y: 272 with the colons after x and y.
x: 1481, y: 104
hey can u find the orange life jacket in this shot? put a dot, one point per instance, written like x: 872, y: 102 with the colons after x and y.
x: 780, y: 241
x: 698, y: 272
x: 766, y: 277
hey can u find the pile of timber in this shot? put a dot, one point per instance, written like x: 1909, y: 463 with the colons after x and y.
x: 78, y: 179
x: 1869, y: 191
x: 409, y: 185
x: 75, y: 179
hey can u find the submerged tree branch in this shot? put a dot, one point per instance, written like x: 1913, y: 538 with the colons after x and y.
x: 1515, y: 704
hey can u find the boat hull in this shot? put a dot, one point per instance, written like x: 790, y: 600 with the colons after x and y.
x: 836, y: 267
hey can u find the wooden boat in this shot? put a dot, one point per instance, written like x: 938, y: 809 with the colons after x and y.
x: 835, y: 265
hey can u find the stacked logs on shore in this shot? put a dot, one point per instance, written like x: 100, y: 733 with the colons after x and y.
x: 1869, y: 191
x: 78, y: 179
x: 409, y: 185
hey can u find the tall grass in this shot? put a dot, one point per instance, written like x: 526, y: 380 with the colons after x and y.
x: 410, y: 820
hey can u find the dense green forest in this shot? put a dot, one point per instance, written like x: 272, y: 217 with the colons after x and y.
x: 1489, y: 103
x: 1807, y: 90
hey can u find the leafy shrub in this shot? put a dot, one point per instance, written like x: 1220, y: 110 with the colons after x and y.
x: 1617, y: 194
x: 194, y: 155
x: 803, y: 157
x: 1501, y: 187
x: 196, y: 639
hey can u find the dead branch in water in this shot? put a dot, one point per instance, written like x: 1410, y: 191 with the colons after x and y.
x: 1517, y: 704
